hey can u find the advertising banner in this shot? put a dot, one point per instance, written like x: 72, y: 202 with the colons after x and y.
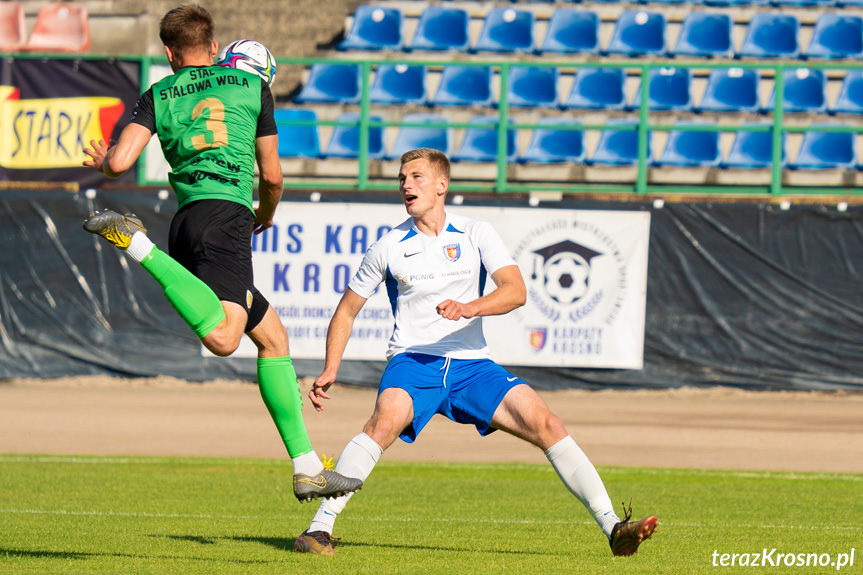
x: 585, y: 272
x: 156, y: 167
x: 52, y: 108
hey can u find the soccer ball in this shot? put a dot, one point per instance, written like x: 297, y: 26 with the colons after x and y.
x: 566, y: 277
x: 249, y: 56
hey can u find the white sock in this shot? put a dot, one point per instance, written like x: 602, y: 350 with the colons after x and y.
x: 357, y: 461
x: 140, y: 246
x: 308, y: 463
x: 580, y: 477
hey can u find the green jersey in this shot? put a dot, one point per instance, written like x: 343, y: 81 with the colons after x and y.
x: 207, y: 120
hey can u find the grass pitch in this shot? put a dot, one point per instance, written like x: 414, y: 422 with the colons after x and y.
x: 180, y: 515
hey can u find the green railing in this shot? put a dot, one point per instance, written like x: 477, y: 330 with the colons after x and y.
x: 503, y: 184
x: 641, y: 185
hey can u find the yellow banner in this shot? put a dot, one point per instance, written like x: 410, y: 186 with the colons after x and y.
x: 52, y: 132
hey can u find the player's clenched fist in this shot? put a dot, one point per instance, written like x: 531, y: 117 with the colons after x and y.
x: 454, y: 310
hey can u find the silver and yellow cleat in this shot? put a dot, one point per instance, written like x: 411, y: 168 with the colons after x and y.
x: 326, y: 484
x: 116, y: 228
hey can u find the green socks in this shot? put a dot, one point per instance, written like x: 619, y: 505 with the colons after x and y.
x: 277, y: 381
x: 193, y: 299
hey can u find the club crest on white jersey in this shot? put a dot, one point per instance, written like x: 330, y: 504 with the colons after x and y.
x: 452, y: 252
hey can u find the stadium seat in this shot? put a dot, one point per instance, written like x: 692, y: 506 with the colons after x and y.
x: 669, y: 90
x: 399, y: 84
x: 836, y: 36
x: 479, y: 144
x: 442, y: 28
x: 753, y: 150
x: 618, y: 144
x: 532, y: 86
x: 597, y: 88
x: 506, y: 30
x: 409, y: 137
x: 638, y: 33
x: 332, y: 83
x: 345, y: 140
x: 705, y: 34
x: 826, y: 150
x: 296, y: 141
x: 552, y: 144
x: 805, y: 91
x: 571, y: 31
x: 464, y: 86
x: 690, y: 148
x: 780, y: 3
x: 850, y: 99
x: 60, y: 27
x: 374, y: 28
x: 731, y: 90
x: 771, y: 35
x: 736, y: 2
x: 13, y: 28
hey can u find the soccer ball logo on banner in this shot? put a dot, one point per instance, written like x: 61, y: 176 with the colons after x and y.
x: 565, y: 270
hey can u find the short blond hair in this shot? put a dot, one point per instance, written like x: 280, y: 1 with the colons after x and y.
x: 436, y: 159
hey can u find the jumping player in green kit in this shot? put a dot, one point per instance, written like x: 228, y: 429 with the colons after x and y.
x: 214, y: 123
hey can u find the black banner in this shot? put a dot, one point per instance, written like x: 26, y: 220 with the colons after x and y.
x: 743, y: 295
x: 52, y: 108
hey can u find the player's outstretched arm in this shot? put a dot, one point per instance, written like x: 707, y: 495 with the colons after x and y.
x: 115, y: 160
x: 270, y: 185
x: 338, y: 334
x: 509, y: 295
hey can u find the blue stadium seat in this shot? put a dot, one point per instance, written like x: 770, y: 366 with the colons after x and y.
x: 532, y: 86
x: 705, y: 34
x: 836, y: 36
x: 669, y: 90
x: 374, y: 28
x: 753, y: 150
x: 409, y: 138
x: 686, y: 148
x: 442, y: 28
x: 771, y: 35
x: 618, y: 144
x: 597, y: 88
x: 736, y: 2
x: 464, y: 86
x: 480, y: 143
x: 506, y: 30
x: 571, y: 31
x: 297, y: 141
x: 850, y: 99
x: 826, y: 150
x: 553, y: 145
x: 805, y: 91
x: 731, y: 90
x: 638, y: 33
x: 332, y: 83
x: 780, y: 3
x: 345, y: 140
x: 399, y: 84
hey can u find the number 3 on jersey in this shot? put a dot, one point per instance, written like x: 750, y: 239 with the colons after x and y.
x: 215, y: 124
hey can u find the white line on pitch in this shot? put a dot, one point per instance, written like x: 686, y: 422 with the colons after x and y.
x: 145, y: 514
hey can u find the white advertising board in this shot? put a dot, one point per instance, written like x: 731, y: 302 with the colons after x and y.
x: 585, y: 272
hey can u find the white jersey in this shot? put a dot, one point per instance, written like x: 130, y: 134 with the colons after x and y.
x: 421, y: 272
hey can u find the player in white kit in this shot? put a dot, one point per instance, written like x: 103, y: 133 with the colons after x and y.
x: 434, y: 266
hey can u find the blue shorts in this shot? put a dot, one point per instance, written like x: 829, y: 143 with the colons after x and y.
x: 463, y: 390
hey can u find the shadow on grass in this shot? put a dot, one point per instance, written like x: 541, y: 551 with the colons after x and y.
x: 287, y: 544
x: 83, y: 555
